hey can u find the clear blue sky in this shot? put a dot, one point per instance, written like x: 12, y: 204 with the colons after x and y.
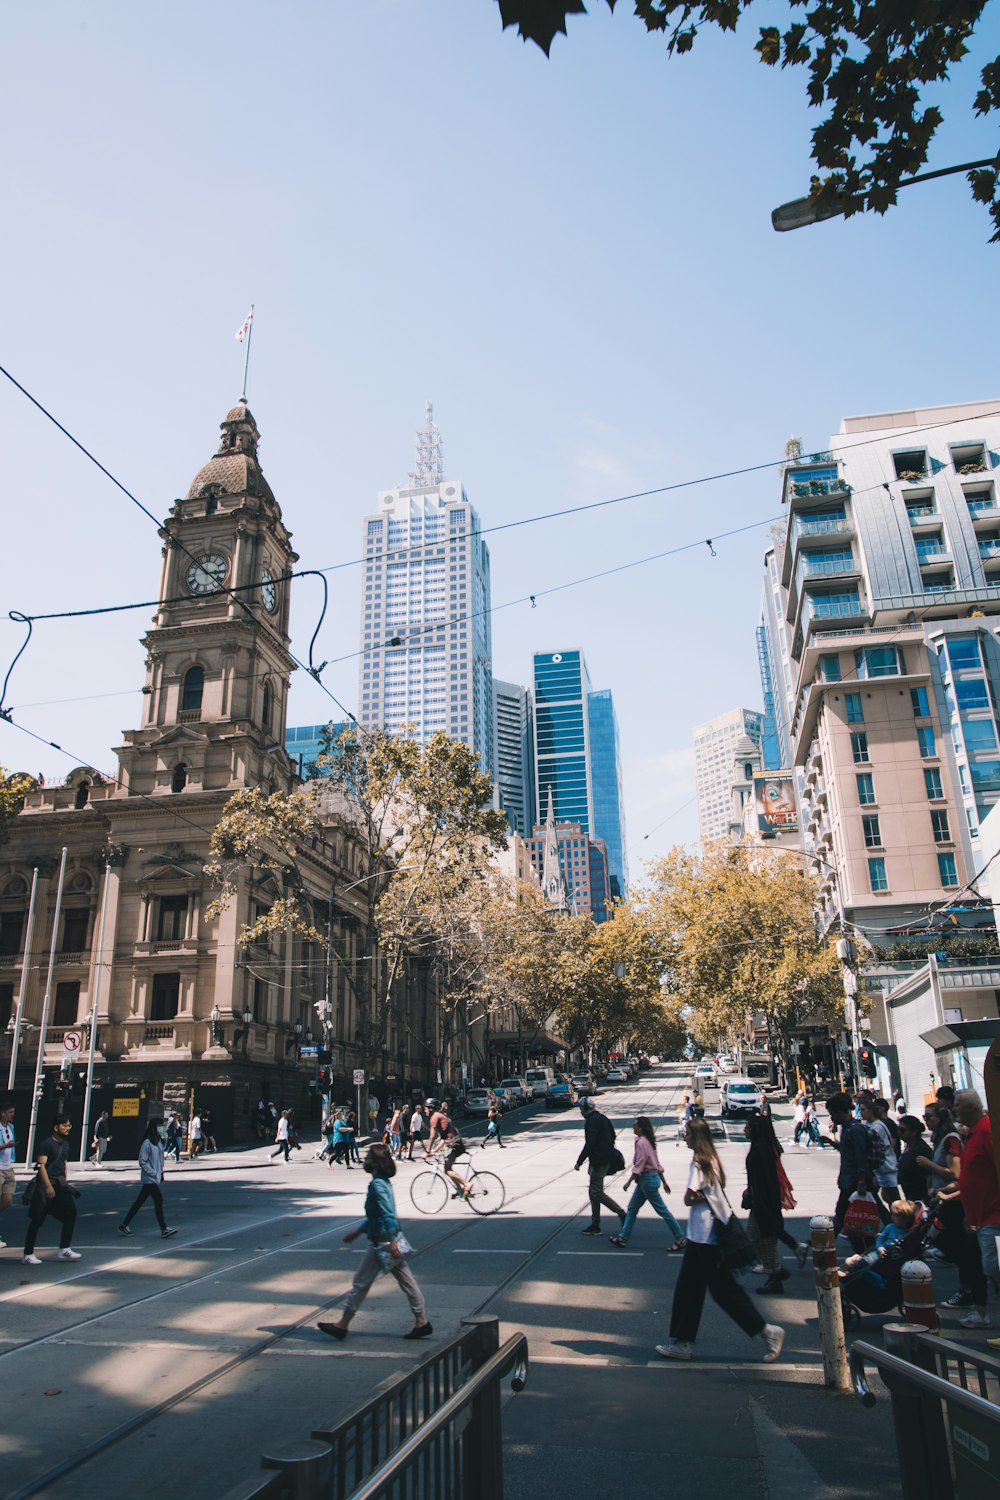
x: 573, y: 258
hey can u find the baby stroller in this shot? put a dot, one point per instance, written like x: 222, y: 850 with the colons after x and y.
x: 878, y: 1288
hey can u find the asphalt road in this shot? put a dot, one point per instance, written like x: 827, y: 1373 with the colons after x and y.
x: 94, y: 1348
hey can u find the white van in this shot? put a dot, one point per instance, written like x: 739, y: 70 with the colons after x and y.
x: 539, y: 1080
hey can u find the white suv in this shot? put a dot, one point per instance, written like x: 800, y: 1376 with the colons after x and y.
x: 740, y: 1097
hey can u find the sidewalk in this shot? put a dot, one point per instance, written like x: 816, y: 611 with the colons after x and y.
x: 631, y: 1433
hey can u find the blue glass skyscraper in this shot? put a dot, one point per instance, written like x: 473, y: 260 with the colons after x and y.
x: 578, y: 755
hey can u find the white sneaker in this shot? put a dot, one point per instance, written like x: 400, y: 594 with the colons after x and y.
x: 676, y: 1349
x: 976, y: 1320
x: 3, y: 1244
x: 68, y: 1255
x: 773, y: 1337
x: 30, y: 1260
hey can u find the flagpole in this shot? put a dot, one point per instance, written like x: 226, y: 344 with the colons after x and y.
x: 246, y: 361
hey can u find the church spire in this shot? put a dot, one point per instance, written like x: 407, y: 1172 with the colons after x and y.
x: 553, y: 881
x: 429, y: 472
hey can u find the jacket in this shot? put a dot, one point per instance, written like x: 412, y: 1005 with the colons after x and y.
x: 598, y: 1141
x: 853, y: 1148
x: 150, y: 1162
x: 765, y: 1189
x: 381, y: 1223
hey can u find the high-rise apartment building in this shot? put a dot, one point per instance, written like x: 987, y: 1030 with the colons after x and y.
x: 890, y: 596
x: 715, y: 744
x: 514, y: 754
x: 578, y: 755
x: 426, y: 659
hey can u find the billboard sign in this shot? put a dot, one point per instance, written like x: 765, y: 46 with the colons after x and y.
x: 774, y: 798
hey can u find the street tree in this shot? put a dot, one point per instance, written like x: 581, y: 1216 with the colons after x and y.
x: 14, y: 787
x: 739, y: 926
x: 870, y: 67
x: 414, y: 813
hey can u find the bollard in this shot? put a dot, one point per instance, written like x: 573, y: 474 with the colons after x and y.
x: 919, y: 1305
x: 306, y: 1466
x: 831, y: 1313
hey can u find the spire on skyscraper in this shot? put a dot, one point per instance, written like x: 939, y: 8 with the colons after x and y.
x: 429, y: 472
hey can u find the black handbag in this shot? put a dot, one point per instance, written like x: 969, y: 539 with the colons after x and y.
x: 616, y: 1164
x: 735, y: 1246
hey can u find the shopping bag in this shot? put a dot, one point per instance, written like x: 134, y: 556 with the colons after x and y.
x: 862, y: 1220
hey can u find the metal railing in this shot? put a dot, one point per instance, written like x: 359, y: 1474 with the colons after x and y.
x: 433, y: 1433
x: 947, y: 1435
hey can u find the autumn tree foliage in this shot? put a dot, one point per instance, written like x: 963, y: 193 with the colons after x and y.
x: 737, y: 934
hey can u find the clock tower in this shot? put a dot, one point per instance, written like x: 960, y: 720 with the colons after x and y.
x: 217, y: 663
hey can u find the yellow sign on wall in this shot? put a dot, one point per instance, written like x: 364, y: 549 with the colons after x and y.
x: 125, y: 1107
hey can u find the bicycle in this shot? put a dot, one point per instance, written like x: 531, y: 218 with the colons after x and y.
x: 430, y: 1190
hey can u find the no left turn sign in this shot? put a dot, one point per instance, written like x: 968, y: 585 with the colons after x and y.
x: 72, y: 1041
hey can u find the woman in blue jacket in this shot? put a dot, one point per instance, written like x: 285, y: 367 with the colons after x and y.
x: 382, y: 1229
x: 150, y: 1176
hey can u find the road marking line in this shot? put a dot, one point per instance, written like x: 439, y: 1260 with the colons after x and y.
x: 491, y: 1252
x: 568, y: 1359
x: 724, y: 1364
x: 614, y: 1254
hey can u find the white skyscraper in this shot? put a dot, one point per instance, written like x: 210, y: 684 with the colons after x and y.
x: 425, y: 615
x: 714, y: 746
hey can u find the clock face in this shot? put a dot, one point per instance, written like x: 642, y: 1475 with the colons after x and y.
x: 207, y: 574
x: 268, y: 591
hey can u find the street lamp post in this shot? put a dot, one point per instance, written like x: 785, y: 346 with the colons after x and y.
x: 801, y: 212
x: 216, y: 1016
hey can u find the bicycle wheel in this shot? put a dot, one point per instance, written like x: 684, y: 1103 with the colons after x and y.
x: 429, y: 1192
x: 487, y: 1193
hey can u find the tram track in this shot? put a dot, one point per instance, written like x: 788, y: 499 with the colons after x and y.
x: 118, y: 1434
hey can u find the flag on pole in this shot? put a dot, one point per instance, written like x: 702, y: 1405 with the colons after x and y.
x: 243, y: 331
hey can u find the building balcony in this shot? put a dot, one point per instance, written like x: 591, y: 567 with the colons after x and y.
x: 819, y: 611
x: 69, y: 959
x: 179, y: 946
x: 809, y: 530
x: 932, y: 556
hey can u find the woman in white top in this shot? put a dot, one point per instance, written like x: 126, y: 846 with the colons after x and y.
x: 702, y: 1269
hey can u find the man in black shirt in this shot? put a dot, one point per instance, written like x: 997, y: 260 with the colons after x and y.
x: 51, y: 1195
x: 598, y: 1148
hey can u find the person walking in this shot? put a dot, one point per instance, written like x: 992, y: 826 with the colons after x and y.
x: 382, y: 1228
x: 102, y: 1136
x: 151, y: 1157
x: 852, y: 1143
x: 417, y: 1125
x: 341, y: 1142
x: 206, y: 1131
x: 394, y: 1128
x: 197, y: 1140
x: 493, y: 1128
x: 914, y: 1178
x: 174, y: 1137
x: 598, y: 1152
x: 8, y: 1153
x: 51, y: 1195
x: 281, y: 1136
x: 979, y: 1191
x: 762, y: 1197
x: 647, y: 1174
x: 882, y: 1158
x: 702, y: 1269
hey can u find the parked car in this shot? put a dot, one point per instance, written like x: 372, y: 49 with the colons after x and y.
x: 617, y: 1075
x: 560, y: 1095
x: 479, y: 1102
x: 519, y: 1087
x: 740, y: 1098
x: 584, y: 1084
x: 507, y: 1098
x: 725, y: 1063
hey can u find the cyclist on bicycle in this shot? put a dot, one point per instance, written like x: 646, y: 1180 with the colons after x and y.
x: 444, y: 1130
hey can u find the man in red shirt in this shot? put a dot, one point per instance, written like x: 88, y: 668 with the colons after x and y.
x: 978, y: 1187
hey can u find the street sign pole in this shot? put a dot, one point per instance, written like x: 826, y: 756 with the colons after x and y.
x: 359, y: 1083
x: 40, y: 1060
x: 88, y: 1092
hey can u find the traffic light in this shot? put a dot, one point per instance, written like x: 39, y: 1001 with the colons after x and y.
x: 869, y: 1066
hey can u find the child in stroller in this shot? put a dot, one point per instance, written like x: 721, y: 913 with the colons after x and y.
x: 872, y: 1283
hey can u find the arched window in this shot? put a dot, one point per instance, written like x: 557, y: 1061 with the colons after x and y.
x: 82, y: 794
x: 266, y: 709
x: 178, y: 780
x: 194, y: 684
x: 748, y: 771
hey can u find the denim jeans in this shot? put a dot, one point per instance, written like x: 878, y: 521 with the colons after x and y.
x: 647, y: 1190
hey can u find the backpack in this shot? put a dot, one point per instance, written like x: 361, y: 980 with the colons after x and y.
x: 875, y: 1142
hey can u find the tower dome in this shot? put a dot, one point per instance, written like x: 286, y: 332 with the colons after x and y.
x: 234, y: 469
